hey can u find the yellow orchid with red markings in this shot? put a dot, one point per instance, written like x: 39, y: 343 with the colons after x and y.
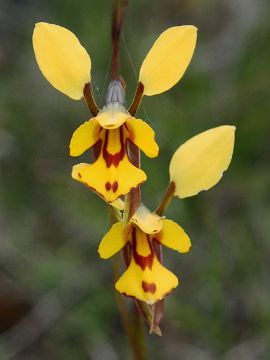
x: 67, y: 66
x: 145, y: 279
x: 113, y: 132
x: 112, y: 174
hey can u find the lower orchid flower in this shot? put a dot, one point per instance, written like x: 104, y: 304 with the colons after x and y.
x: 145, y: 278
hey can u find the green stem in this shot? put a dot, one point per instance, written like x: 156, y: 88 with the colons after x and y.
x: 166, y: 199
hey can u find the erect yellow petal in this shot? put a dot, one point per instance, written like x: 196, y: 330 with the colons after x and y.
x: 173, y: 236
x: 109, y: 182
x: 148, y: 222
x: 113, y: 241
x: 142, y: 135
x: 84, y: 137
x: 199, y: 163
x: 62, y: 59
x: 149, y: 285
x: 168, y: 59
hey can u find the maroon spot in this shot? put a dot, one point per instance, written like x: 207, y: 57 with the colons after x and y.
x: 115, y: 186
x: 108, y: 186
x: 80, y: 175
x: 116, y: 158
x: 149, y: 287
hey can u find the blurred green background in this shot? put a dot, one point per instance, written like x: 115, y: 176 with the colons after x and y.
x: 57, y: 299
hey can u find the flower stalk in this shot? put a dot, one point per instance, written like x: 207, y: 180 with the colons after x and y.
x: 119, y: 7
x: 133, y: 326
x: 90, y: 101
x: 167, y: 197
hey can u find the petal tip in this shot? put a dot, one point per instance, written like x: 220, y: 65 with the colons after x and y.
x: 101, y: 254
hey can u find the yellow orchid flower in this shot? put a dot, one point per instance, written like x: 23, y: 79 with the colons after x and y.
x: 145, y: 279
x: 66, y: 65
x: 116, y: 137
x: 112, y: 174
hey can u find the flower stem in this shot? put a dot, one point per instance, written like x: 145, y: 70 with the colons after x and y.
x: 119, y: 8
x: 133, y: 198
x: 137, y: 99
x: 158, y: 308
x: 166, y: 199
x: 88, y: 96
x: 133, y: 326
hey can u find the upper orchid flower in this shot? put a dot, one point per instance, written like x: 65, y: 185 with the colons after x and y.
x: 67, y: 66
x: 112, y: 174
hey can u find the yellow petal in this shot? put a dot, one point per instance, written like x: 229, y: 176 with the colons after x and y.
x: 115, y: 141
x: 199, y: 163
x: 111, y: 182
x: 168, y: 59
x: 62, y: 59
x: 112, y: 119
x: 113, y: 241
x: 148, y: 222
x: 143, y: 136
x: 140, y: 243
x: 149, y: 285
x: 173, y: 236
x: 84, y: 137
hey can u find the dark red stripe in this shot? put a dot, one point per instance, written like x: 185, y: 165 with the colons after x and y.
x: 97, y: 149
x: 142, y: 261
x: 115, y: 158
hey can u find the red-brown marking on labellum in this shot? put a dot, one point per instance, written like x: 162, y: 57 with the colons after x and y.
x: 108, y: 186
x: 115, y: 158
x: 115, y: 186
x: 142, y: 261
x: 97, y: 149
x: 149, y: 287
